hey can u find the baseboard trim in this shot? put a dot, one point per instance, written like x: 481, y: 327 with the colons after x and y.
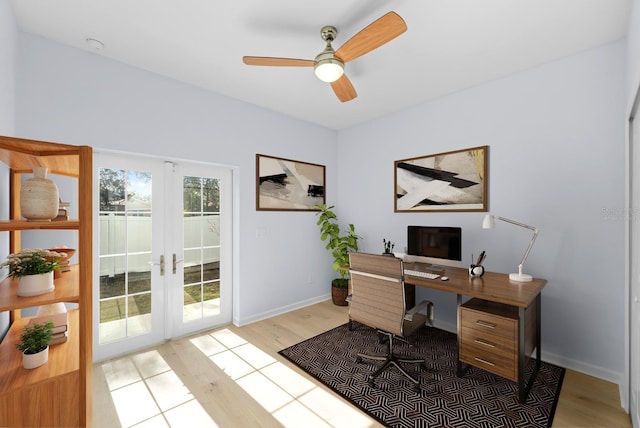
x: 591, y: 370
x: 582, y: 367
x: 281, y: 310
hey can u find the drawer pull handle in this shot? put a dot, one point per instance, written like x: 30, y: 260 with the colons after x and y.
x: 485, y: 324
x: 484, y: 361
x: 482, y: 342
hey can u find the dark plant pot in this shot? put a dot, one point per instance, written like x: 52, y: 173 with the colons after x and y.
x: 339, y: 291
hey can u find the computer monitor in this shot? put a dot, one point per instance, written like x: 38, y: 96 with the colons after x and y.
x: 434, y: 245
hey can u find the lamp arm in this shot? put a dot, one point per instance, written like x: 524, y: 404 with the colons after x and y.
x: 517, y: 223
x: 526, y: 253
x: 535, y: 235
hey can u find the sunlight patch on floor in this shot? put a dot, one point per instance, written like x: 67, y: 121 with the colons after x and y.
x: 292, y: 399
x: 147, y: 393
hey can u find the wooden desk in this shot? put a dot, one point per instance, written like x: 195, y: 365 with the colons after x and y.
x: 501, y: 320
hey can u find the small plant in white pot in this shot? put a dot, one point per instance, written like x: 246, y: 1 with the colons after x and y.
x: 34, y: 270
x: 34, y: 344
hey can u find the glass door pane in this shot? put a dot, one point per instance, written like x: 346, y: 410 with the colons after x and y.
x: 130, y: 295
x: 125, y: 255
x: 201, y: 227
x: 205, y: 222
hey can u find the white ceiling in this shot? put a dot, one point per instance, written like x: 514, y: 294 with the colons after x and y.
x: 450, y: 45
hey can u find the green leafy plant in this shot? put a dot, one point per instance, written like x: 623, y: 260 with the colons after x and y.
x: 339, y: 245
x: 388, y: 246
x: 32, y: 262
x: 35, y: 338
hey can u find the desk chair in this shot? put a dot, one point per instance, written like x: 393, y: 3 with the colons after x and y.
x: 378, y: 301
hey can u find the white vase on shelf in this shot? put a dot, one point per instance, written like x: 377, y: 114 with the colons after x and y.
x: 33, y: 285
x: 39, y: 197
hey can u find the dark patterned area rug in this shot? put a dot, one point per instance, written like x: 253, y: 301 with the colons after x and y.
x: 479, y: 399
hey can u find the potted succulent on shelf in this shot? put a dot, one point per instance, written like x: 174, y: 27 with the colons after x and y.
x: 34, y: 344
x: 340, y: 246
x: 34, y: 270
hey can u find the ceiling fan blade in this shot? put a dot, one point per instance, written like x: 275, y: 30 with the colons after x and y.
x: 376, y: 34
x: 343, y: 89
x: 277, y: 62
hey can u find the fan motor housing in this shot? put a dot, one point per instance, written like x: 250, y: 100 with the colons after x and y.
x: 328, y: 33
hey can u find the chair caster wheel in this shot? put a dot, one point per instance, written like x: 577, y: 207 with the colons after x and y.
x: 417, y: 389
x: 358, y: 359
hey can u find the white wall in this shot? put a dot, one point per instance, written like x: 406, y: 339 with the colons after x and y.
x: 76, y: 97
x: 556, y: 161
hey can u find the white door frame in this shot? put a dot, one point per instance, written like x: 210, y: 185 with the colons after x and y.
x: 632, y: 308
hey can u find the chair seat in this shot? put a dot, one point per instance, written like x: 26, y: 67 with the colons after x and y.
x: 410, y: 327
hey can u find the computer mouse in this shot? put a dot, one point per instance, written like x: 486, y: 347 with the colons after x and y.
x: 444, y: 278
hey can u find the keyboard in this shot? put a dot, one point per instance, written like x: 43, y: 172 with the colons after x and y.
x: 421, y: 274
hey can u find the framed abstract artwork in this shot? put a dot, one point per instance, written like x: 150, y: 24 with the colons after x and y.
x: 451, y: 181
x: 288, y: 185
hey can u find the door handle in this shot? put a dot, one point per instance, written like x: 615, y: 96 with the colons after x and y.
x: 175, y: 263
x: 161, y: 264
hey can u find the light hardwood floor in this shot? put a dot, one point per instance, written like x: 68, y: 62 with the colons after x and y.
x: 192, y: 382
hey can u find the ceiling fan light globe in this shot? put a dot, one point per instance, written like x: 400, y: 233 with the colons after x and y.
x: 329, y: 70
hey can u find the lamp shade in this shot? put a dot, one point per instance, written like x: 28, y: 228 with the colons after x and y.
x: 489, y: 222
x: 329, y: 70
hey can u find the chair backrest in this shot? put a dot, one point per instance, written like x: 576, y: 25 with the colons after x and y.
x: 377, y: 291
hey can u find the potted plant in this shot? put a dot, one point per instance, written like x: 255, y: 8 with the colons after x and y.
x: 34, y: 270
x: 388, y: 247
x: 34, y: 344
x: 340, y: 246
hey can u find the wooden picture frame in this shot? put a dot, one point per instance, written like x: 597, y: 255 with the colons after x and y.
x: 288, y: 185
x: 450, y: 181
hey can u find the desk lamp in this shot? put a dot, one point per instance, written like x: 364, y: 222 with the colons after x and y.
x: 489, y: 223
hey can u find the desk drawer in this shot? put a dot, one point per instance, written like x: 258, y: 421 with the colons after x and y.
x: 489, y: 342
x: 503, y: 364
x: 491, y: 324
x: 492, y: 353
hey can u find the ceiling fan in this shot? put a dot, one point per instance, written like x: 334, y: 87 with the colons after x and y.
x: 329, y: 64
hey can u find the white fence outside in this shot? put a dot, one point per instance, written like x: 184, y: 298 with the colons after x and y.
x: 125, y: 242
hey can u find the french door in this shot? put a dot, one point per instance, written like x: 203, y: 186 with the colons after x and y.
x: 163, y: 251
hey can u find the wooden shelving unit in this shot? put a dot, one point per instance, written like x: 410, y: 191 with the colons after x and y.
x: 59, y: 392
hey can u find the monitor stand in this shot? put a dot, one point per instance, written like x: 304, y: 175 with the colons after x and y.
x: 428, y: 267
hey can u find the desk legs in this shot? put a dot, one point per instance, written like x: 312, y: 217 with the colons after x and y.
x: 523, y: 386
x: 460, y: 366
